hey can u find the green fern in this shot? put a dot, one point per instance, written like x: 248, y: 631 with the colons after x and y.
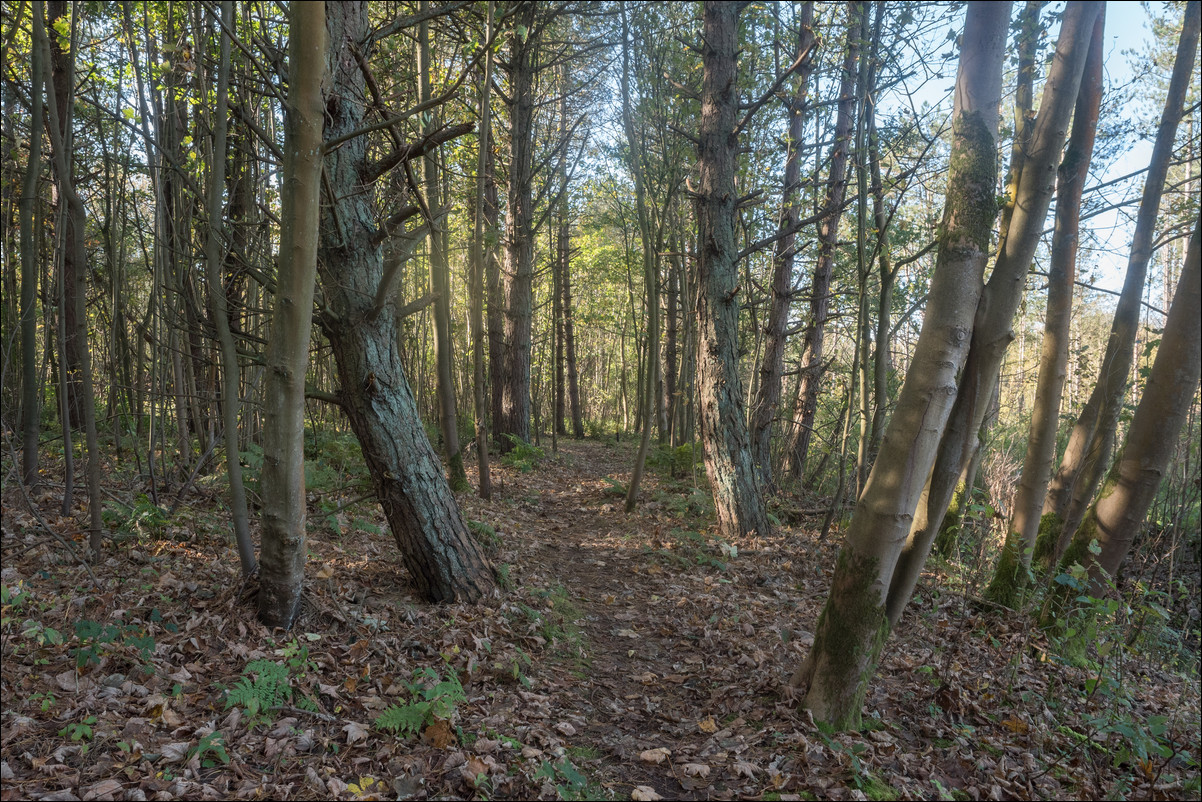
x: 269, y: 688
x: 431, y: 697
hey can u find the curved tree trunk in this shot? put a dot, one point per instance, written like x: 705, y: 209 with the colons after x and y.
x: 853, y: 625
x: 1053, y: 364
x: 1092, y: 436
x: 1116, y: 517
x: 992, y: 331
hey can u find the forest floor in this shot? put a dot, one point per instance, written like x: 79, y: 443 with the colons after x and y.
x: 629, y: 656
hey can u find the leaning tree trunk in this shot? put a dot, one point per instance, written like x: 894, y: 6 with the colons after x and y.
x: 814, y: 338
x: 853, y: 625
x: 1053, y: 363
x: 772, y: 364
x: 999, y: 301
x: 1116, y: 517
x: 283, y: 550
x: 443, y: 559
x: 1092, y: 436
x: 728, y: 463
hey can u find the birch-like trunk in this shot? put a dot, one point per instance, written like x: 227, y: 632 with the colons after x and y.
x: 853, y: 625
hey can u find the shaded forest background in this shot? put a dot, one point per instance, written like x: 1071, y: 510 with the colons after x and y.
x: 280, y: 277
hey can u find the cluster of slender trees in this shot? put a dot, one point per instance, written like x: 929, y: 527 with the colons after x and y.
x: 240, y: 257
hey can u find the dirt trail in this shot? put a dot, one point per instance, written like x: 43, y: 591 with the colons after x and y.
x: 673, y: 658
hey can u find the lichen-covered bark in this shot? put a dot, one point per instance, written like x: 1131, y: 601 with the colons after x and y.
x: 443, y: 560
x: 853, y: 623
x: 728, y: 464
x: 992, y: 332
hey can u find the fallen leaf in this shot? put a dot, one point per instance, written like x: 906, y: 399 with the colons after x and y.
x: 744, y: 769
x: 707, y: 724
x: 657, y: 755
x: 696, y: 770
x: 644, y: 792
x: 174, y: 753
x: 355, y: 732
x: 439, y: 734
x: 565, y: 729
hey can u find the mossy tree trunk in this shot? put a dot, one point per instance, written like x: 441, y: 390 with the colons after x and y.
x: 853, y: 625
x: 992, y: 330
x: 1092, y: 437
x: 1116, y: 517
x: 1011, y: 572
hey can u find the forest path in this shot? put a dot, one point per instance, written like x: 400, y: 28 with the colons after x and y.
x: 674, y: 649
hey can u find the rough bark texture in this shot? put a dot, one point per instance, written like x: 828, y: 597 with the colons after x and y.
x: 518, y: 271
x: 443, y: 559
x: 1092, y: 436
x: 728, y: 463
x: 828, y: 238
x: 772, y: 366
x: 999, y: 301
x: 1053, y: 364
x: 283, y: 551
x: 833, y: 678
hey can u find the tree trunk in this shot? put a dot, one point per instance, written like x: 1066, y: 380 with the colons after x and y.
x: 853, y: 625
x: 1117, y: 516
x: 650, y: 272
x: 31, y: 414
x: 443, y: 559
x: 569, y: 332
x: 514, y: 386
x: 999, y: 300
x: 479, y: 246
x: 772, y: 366
x: 728, y: 463
x: 1090, y: 442
x: 440, y: 277
x: 1053, y: 364
x: 78, y: 215
x: 828, y: 239
x: 230, y: 403
x: 284, y: 551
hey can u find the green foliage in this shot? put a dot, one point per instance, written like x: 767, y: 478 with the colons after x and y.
x: 430, y: 696
x: 143, y: 520
x: 79, y: 731
x: 267, y: 684
x: 675, y: 461
x: 521, y: 455
x: 614, y: 487
x: 210, y: 746
x: 568, y: 782
x: 486, y: 535
x: 96, y: 639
